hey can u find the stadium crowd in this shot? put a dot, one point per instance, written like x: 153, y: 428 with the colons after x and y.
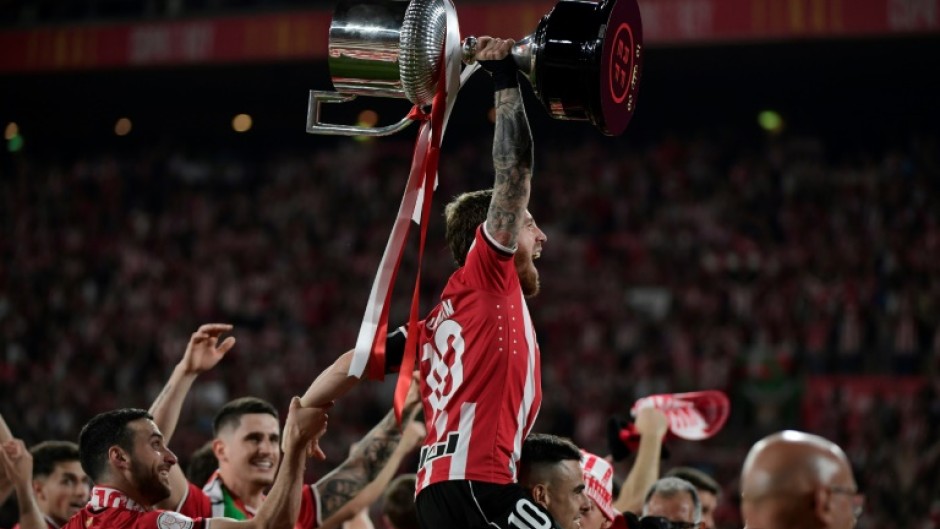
x: 686, y: 264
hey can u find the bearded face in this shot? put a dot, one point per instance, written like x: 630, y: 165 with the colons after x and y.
x: 528, y: 274
x: 529, y: 248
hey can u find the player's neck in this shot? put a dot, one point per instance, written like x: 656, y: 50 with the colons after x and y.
x: 51, y: 520
x: 249, y: 493
x: 48, y: 516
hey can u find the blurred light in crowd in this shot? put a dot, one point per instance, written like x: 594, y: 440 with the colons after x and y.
x: 368, y: 118
x: 123, y: 127
x: 770, y: 121
x: 491, y: 115
x: 15, y: 143
x: 241, y: 123
x: 11, y: 131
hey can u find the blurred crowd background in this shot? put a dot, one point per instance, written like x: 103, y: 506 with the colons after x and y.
x: 687, y: 265
x: 796, y: 270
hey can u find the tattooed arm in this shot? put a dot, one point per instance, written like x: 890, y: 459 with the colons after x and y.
x: 202, y: 354
x: 512, y: 144
x: 414, y: 434
x: 512, y: 160
x: 374, y: 459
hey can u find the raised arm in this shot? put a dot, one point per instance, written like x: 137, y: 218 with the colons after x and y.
x: 202, y: 354
x: 282, y: 505
x: 652, y: 426
x: 17, y: 464
x: 333, y: 383
x: 6, y: 484
x: 374, y: 461
x: 411, y: 438
x: 512, y: 143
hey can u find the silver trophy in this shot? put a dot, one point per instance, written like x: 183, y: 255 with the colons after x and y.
x: 583, y: 60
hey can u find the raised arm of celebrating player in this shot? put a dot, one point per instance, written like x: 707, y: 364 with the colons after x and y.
x: 512, y: 144
x: 6, y: 484
x: 371, y: 465
x: 202, y: 354
x: 334, y: 382
x: 652, y: 426
x: 16, y: 463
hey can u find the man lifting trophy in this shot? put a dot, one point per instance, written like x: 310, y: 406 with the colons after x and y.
x: 476, y: 351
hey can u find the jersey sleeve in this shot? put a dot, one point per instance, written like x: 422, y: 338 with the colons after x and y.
x: 309, y: 517
x: 489, y: 265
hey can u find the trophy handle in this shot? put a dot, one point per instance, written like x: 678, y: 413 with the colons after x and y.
x: 314, y: 126
x: 317, y: 97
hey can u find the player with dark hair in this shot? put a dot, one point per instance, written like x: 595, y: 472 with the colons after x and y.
x: 16, y: 469
x: 202, y: 464
x: 550, y: 471
x: 59, y: 483
x: 126, y: 456
x: 246, y: 447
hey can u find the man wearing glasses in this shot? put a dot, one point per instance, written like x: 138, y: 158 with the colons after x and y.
x: 795, y: 479
x: 672, y: 503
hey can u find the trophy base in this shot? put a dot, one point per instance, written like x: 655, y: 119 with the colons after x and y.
x: 587, y: 62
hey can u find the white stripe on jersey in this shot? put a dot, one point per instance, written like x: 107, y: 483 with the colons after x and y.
x: 528, y: 394
x: 440, y: 426
x: 458, y: 462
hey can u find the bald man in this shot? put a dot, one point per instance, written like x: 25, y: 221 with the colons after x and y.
x: 795, y: 479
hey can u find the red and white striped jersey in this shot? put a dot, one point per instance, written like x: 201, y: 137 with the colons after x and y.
x: 480, y: 372
x: 111, y: 509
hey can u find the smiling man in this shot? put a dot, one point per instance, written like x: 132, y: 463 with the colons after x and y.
x: 125, y: 454
x: 245, y: 446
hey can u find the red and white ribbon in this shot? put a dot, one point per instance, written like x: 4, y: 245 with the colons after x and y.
x: 369, y: 354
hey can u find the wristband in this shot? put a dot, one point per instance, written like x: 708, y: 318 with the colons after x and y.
x: 503, y: 71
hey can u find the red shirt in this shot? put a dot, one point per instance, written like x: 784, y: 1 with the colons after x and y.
x: 207, y: 503
x: 480, y: 372
x: 111, y: 509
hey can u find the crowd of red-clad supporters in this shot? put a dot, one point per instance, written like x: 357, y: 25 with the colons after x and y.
x: 805, y: 284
